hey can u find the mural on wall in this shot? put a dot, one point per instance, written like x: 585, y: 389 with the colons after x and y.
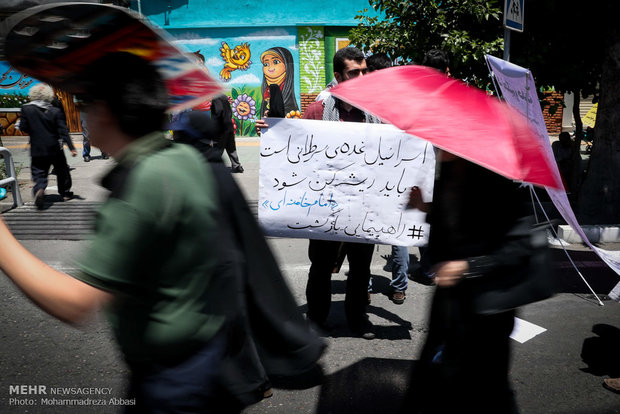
x: 312, y: 56
x: 14, y: 86
x: 237, y: 58
x: 233, y: 53
x: 279, y: 69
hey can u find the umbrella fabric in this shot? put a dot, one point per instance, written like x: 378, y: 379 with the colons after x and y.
x: 455, y: 117
x: 54, y: 43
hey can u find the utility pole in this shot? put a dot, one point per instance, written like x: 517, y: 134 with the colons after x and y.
x: 513, y: 20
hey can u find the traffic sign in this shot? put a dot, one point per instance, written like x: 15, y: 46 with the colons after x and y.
x: 513, y: 14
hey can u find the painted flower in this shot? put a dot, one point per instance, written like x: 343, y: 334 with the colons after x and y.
x: 244, y: 107
x: 294, y: 114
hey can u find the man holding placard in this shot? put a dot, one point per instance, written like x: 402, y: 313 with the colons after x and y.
x: 349, y: 63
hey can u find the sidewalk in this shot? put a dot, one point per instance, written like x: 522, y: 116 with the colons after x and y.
x: 85, y: 176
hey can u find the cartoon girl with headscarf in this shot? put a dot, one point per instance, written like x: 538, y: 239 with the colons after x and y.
x: 278, y: 69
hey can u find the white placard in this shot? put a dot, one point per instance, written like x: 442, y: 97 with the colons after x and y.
x: 523, y: 331
x: 519, y: 91
x: 343, y: 181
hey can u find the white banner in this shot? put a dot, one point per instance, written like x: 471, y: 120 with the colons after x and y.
x: 519, y: 91
x: 343, y: 181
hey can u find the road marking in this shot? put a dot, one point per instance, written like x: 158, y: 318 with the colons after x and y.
x: 523, y: 331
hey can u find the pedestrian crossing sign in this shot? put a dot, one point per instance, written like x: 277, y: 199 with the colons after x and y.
x: 513, y: 14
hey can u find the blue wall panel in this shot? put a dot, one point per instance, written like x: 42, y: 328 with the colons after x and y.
x: 171, y: 14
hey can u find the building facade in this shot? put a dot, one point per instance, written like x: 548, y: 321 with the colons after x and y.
x: 248, y: 45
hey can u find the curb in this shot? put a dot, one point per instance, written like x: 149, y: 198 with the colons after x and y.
x: 595, y: 233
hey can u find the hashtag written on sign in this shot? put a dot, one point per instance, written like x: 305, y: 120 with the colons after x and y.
x: 416, y: 232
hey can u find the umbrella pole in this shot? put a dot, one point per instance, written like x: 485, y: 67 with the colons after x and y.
x: 534, y: 203
x: 564, y: 248
x: 499, y: 96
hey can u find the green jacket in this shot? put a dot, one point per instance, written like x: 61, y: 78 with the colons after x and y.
x: 151, y: 249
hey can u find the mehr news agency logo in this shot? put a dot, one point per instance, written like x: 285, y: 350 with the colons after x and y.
x: 34, y: 395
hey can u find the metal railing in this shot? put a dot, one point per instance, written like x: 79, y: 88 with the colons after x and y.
x: 11, y: 180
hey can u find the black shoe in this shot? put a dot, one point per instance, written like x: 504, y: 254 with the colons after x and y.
x: 322, y: 328
x: 265, y: 390
x: 421, y: 277
x: 368, y: 335
x: 39, y: 197
x: 237, y: 169
x: 67, y: 196
x: 364, y: 330
x: 398, y: 297
x: 86, y: 158
x: 104, y: 156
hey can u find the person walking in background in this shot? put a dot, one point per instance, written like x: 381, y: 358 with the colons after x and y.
x: 400, y: 254
x: 221, y: 113
x: 46, y: 126
x: 564, y: 154
x: 437, y: 59
x: 86, y: 141
x: 378, y: 61
x: 58, y: 104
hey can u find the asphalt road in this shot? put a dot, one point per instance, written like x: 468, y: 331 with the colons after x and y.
x: 558, y: 371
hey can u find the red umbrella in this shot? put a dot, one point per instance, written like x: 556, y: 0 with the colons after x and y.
x: 455, y: 117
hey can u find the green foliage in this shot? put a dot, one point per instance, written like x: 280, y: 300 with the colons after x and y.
x: 564, y: 42
x: 3, y: 173
x: 13, y: 100
x: 465, y: 29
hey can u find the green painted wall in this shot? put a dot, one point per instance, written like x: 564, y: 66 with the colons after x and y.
x: 332, y: 34
x: 311, y: 59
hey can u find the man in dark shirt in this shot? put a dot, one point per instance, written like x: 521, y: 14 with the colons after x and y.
x: 349, y: 63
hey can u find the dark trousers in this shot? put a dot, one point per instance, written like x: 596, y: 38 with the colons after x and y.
x: 86, y: 148
x: 40, y: 166
x: 465, y: 362
x: 190, y: 386
x: 323, y: 255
